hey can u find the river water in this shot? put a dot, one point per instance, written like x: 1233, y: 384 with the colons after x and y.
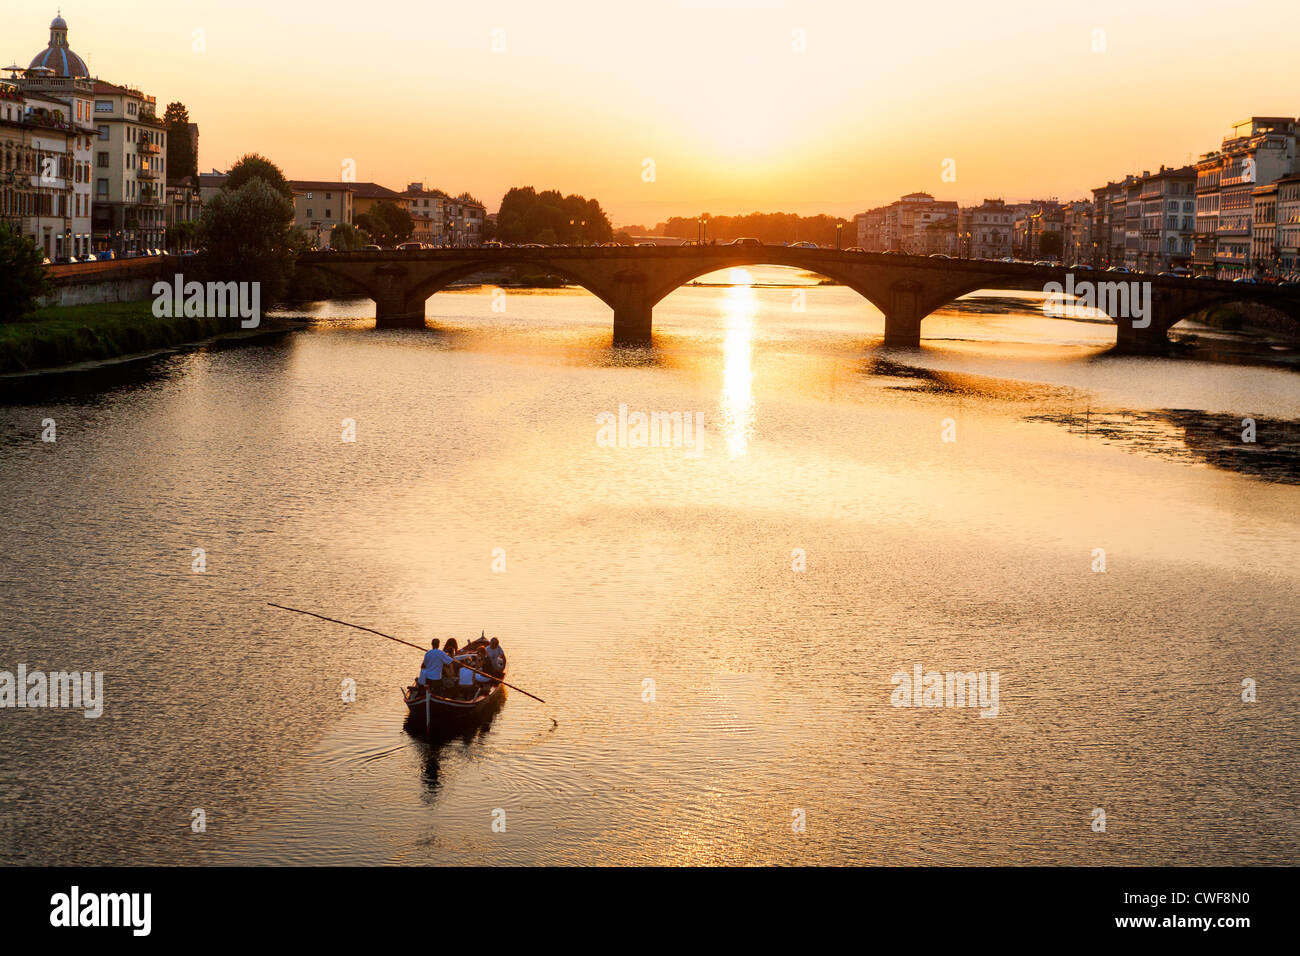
x: 715, y: 627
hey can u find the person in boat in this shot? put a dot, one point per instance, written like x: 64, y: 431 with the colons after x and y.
x: 495, y: 658
x: 437, y: 667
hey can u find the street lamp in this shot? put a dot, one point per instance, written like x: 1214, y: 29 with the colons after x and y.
x: 839, y: 233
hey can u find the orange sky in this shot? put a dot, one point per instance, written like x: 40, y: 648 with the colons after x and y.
x: 794, y: 105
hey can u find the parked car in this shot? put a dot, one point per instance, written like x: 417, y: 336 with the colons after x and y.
x: 409, y: 246
x: 803, y: 245
x: 855, y: 249
x: 1120, y: 269
x: 491, y: 244
x: 371, y: 248
x: 747, y: 241
x: 646, y: 245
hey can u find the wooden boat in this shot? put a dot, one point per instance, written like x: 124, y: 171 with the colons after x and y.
x: 427, y: 707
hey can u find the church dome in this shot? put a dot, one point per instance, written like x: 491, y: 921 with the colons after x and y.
x: 57, y: 56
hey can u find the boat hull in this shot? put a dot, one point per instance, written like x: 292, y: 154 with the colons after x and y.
x: 425, y: 708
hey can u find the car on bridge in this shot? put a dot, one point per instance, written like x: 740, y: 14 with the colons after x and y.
x: 646, y: 245
x: 803, y: 245
x: 747, y: 241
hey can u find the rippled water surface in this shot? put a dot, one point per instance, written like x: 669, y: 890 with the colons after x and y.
x: 700, y: 690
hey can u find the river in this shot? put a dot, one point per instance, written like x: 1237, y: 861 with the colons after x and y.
x: 716, y: 626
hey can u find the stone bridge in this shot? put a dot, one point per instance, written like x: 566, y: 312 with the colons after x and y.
x: 631, y: 280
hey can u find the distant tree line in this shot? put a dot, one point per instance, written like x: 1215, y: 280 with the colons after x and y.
x: 772, y: 228
x: 529, y: 216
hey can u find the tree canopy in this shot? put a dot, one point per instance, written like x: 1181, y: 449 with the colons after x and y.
x: 22, y: 274
x: 254, y: 166
x: 182, y: 158
x: 529, y: 216
x: 246, y: 237
x: 386, y: 223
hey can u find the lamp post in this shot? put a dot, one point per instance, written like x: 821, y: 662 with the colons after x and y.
x: 839, y: 234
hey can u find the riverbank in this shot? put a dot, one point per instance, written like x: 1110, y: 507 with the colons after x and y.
x: 65, y: 335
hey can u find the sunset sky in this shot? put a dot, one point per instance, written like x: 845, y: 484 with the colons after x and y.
x: 716, y: 92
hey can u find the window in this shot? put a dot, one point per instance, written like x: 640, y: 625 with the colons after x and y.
x: 329, y: 214
x: 103, y: 132
x: 101, y: 188
x: 101, y: 160
x: 309, y: 212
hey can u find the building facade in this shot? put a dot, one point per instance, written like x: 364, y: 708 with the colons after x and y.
x: 986, y: 230
x: 1288, y: 226
x: 130, y: 212
x: 320, y: 206
x: 1168, y: 228
x: 916, y: 224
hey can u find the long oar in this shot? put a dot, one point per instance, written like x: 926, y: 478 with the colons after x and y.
x: 334, y: 620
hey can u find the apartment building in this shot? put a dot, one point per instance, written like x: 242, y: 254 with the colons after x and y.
x: 1288, y: 225
x: 1168, y: 219
x: 320, y: 206
x: 129, y: 209
x: 916, y: 224
x: 986, y: 230
x: 1259, y: 151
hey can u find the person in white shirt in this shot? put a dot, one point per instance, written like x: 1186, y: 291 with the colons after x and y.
x: 496, y: 657
x: 436, y: 668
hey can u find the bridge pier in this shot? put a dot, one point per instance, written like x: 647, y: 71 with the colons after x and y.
x: 395, y: 307
x: 903, y: 318
x: 633, y: 311
x: 1153, y: 340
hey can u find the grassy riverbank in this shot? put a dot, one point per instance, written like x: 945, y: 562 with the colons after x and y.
x: 61, y: 335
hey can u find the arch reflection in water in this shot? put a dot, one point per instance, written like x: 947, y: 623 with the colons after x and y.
x: 739, y: 308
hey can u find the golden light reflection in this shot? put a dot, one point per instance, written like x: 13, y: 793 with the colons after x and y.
x: 739, y: 307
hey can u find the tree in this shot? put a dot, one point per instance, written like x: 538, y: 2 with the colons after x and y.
x: 527, y: 216
x: 345, y: 238
x: 22, y: 274
x: 397, y: 221
x: 254, y: 166
x: 246, y: 237
x: 182, y: 157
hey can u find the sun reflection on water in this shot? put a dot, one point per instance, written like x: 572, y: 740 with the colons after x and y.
x: 739, y: 306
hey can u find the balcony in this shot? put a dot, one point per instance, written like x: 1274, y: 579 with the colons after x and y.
x: 146, y: 173
x: 145, y: 146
